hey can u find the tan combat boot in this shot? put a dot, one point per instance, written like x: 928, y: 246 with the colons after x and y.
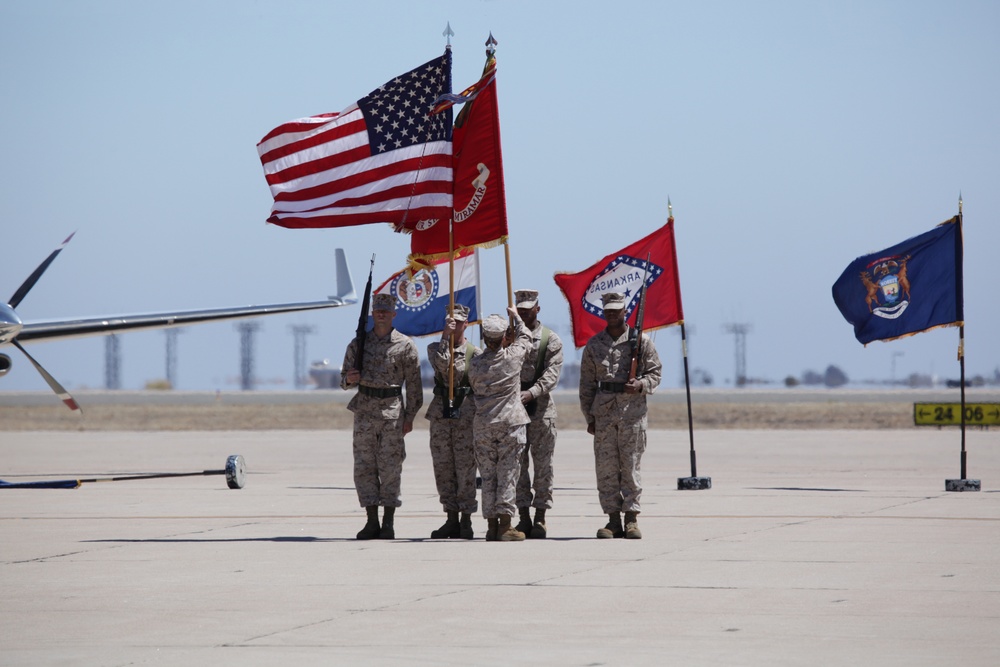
x: 465, y: 527
x: 449, y: 529
x: 371, y: 529
x: 492, y: 530
x: 388, y: 532
x: 538, y: 528
x: 507, y: 532
x: 524, y: 525
x: 614, y: 527
x: 632, y: 531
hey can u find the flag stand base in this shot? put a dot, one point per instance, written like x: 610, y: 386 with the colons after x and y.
x: 693, y: 483
x: 962, y: 485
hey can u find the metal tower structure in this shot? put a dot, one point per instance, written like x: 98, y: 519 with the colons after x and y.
x: 300, y: 331
x: 247, y: 331
x: 112, y: 363
x: 171, y: 369
x: 740, y: 331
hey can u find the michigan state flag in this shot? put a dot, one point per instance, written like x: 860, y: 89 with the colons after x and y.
x: 911, y: 287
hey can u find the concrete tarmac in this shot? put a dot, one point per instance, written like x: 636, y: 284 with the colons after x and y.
x: 812, y: 547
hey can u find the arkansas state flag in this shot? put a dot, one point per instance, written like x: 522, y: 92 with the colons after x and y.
x: 622, y: 272
x: 911, y: 287
x: 422, y: 296
x: 480, y: 215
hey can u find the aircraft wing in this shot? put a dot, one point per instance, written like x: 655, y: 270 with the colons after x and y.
x: 98, y: 326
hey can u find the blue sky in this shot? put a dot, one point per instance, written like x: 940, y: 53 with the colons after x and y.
x: 791, y: 138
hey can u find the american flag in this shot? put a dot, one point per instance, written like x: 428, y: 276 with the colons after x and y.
x: 382, y: 159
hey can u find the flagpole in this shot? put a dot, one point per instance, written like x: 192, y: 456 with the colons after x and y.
x: 693, y: 482
x: 963, y: 484
x: 510, y: 289
x: 961, y: 328
x: 449, y: 408
x: 479, y: 296
x: 687, y: 388
x: 491, y: 49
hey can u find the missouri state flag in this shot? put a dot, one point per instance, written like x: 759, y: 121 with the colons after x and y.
x: 911, y: 287
x: 623, y: 271
x: 422, y: 296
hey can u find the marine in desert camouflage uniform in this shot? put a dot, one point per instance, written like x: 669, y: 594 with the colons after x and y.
x: 381, y: 416
x: 615, y: 410
x: 539, y: 376
x: 451, y: 427
x: 499, y: 424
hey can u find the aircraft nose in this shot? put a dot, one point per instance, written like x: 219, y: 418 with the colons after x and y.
x: 10, y: 324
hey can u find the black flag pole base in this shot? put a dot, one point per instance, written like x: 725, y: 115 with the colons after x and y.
x: 962, y: 485
x: 693, y: 483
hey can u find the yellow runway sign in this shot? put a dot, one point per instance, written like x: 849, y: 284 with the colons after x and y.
x: 950, y: 414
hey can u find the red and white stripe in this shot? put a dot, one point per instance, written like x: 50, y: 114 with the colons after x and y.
x: 322, y: 172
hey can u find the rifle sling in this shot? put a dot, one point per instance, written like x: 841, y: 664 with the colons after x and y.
x: 540, y: 362
x: 635, y: 337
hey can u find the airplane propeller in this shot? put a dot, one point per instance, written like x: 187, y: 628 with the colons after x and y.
x: 15, y: 300
x: 33, y: 278
x: 56, y: 387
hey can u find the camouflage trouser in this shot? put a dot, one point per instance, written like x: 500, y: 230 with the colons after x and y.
x: 618, y: 449
x: 541, y: 445
x: 378, y: 460
x: 454, y: 464
x: 498, y: 452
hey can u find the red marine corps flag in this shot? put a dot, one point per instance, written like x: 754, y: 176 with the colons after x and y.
x: 382, y: 159
x: 480, y: 215
x: 623, y: 272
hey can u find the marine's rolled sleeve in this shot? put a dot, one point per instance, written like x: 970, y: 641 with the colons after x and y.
x: 649, y: 366
x: 551, y: 365
x: 349, y: 356
x: 414, y: 385
x: 588, y: 383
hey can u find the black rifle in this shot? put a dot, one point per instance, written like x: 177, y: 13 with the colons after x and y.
x: 359, y: 353
x: 637, y: 343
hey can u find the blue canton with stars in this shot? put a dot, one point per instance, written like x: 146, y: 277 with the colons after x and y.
x: 396, y: 112
x: 606, y: 281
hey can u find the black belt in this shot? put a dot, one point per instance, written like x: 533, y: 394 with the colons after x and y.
x: 380, y: 392
x: 441, y: 390
x: 612, y: 387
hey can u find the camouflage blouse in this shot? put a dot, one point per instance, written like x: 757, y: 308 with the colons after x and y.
x: 551, y: 368
x: 438, y: 356
x: 390, y: 361
x: 609, y: 360
x: 496, y: 382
